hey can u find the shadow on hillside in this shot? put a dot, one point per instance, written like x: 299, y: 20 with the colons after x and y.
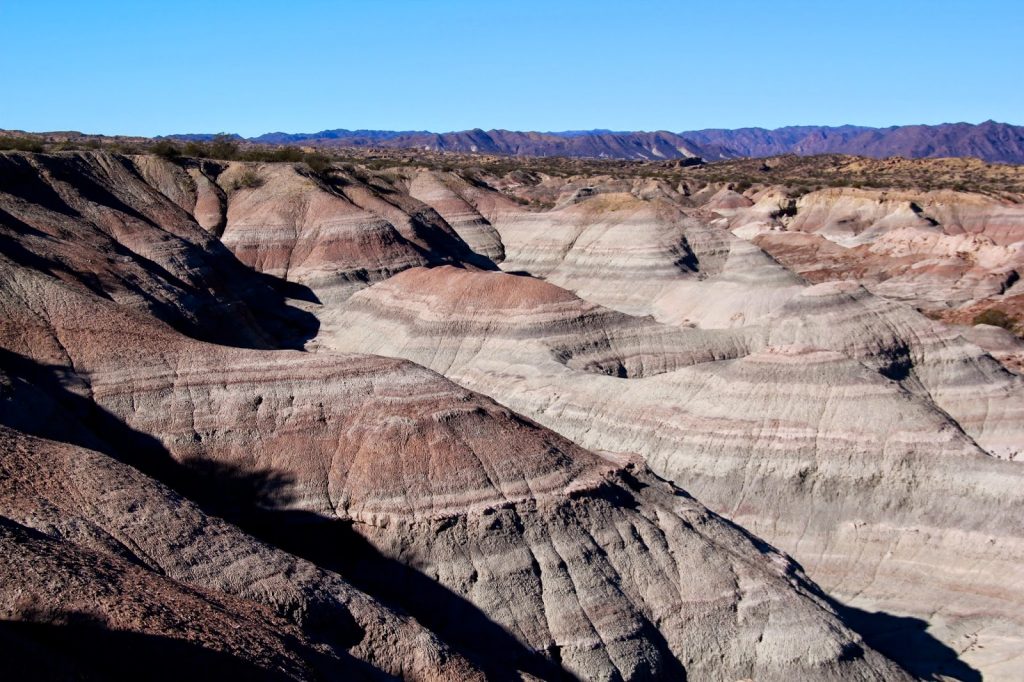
x: 253, y: 500
x: 36, y: 400
x: 907, y: 641
x: 77, y: 646
x: 224, y: 301
x: 289, y: 326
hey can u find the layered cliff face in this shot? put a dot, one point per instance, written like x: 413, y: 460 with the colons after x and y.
x: 447, y: 193
x: 595, y: 244
x: 178, y: 561
x: 332, y: 233
x: 95, y: 223
x: 78, y: 613
x: 818, y: 450
x: 846, y: 428
x: 942, y: 251
x: 328, y: 514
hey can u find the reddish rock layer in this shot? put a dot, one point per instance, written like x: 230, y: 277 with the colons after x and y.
x: 501, y: 537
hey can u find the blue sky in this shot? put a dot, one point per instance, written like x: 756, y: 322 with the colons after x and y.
x: 153, y: 68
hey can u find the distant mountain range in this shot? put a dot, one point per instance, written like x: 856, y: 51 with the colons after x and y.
x: 990, y: 141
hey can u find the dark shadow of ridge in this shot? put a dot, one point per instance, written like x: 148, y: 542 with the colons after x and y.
x: 37, y: 401
x: 76, y: 646
x: 906, y: 641
x: 227, y: 301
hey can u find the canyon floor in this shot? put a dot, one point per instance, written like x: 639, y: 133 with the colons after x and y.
x: 444, y: 417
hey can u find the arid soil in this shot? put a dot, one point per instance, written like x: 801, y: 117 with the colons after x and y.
x: 439, y: 418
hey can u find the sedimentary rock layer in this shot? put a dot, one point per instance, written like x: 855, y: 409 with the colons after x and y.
x: 828, y: 428
x: 938, y: 250
x: 516, y: 549
x: 68, y: 613
x: 335, y: 233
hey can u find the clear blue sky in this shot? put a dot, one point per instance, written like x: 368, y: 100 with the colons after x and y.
x: 148, y: 68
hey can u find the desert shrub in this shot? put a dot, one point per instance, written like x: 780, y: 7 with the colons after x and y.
x: 247, y: 179
x: 21, y: 144
x: 223, y: 147
x: 125, y: 148
x: 197, y: 150
x: 786, y: 210
x: 317, y: 162
x: 273, y: 155
x: 165, y: 149
x: 996, y: 318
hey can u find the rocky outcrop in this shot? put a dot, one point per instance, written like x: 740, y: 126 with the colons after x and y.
x: 91, y: 220
x: 333, y: 233
x: 998, y: 342
x: 597, y: 247
x: 497, y: 509
x: 68, y: 613
x: 366, y: 507
x: 445, y: 193
x: 941, y: 251
x: 837, y: 455
x: 96, y: 502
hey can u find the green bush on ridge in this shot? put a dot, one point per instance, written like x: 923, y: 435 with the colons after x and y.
x: 21, y: 144
x: 996, y: 318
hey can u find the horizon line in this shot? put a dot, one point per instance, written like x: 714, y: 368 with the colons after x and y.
x: 578, y: 131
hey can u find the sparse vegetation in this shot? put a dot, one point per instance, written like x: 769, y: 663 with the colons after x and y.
x: 317, y: 162
x: 786, y: 209
x: 125, y: 148
x: 996, y: 318
x: 221, y: 147
x: 21, y: 144
x: 292, y: 154
x: 837, y: 170
x: 166, y: 149
x: 801, y: 174
x: 247, y: 179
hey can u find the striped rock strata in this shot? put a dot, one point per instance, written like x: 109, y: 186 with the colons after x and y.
x: 828, y: 429
x: 645, y: 258
x: 90, y: 503
x: 335, y: 233
x: 540, y: 352
x: 937, y: 250
x: 69, y: 613
x: 517, y: 551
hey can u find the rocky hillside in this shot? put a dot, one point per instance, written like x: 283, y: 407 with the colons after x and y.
x: 988, y: 141
x: 283, y: 422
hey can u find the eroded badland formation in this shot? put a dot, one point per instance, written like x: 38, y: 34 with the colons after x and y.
x: 443, y: 418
